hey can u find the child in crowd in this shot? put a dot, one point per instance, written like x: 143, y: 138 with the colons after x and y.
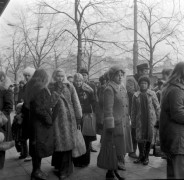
x: 17, y: 129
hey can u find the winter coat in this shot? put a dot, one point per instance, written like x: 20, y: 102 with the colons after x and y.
x: 116, y: 116
x: 153, y: 114
x: 172, y: 119
x: 41, y: 136
x: 6, y: 106
x: 132, y: 87
x: 67, y: 114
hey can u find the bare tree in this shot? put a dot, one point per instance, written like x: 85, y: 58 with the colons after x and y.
x: 156, y: 30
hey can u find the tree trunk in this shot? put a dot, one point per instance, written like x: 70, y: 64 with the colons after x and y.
x: 79, y: 52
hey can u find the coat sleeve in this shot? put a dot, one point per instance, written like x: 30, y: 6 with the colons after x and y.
x: 108, y: 108
x: 7, y: 102
x: 177, y: 106
x: 156, y: 105
x: 133, y: 112
x: 76, y: 104
x: 41, y: 106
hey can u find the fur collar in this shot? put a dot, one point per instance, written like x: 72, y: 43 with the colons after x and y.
x: 149, y: 92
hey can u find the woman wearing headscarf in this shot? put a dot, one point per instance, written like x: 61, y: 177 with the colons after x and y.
x: 40, y: 103
x: 87, y: 101
x: 116, y: 119
x: 145, y: 113
x: 171, y: 125
x: 6, y: 106
x: 67, y: 115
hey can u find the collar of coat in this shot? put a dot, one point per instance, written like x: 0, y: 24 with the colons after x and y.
x: 87, y: 88
x: 115, y: 86
x: 180, y: 85
x: 149, y: 92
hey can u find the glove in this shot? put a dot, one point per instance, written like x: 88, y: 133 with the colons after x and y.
x: 1, y: 137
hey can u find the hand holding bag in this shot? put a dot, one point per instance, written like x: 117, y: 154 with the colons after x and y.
x: 89, y: 124
x: 107, y: 158
x: 80, y: 147
x: 3, y: 119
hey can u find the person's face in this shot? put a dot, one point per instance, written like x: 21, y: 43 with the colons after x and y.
x: 118, y: 77
x: 60, y: 77
x: 85, y: 76
x: 143, y: 85
x: 70, y: 79
x: 78, y: 83
x: 27, y: 77
x: 143, y: 72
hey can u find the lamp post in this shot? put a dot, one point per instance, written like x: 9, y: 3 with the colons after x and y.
x: 135, y: 45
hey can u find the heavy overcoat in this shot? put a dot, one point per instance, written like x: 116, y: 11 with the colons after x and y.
x: 67, y: 114
x: 41, y: 134
x: 153, y: 114
x: 116, y: 116
x: 172, y: 119
x: 6, y: 106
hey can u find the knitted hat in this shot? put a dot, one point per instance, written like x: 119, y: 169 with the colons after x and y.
x: 144, y: 78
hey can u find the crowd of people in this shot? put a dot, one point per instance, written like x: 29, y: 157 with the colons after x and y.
x: 125, y: 111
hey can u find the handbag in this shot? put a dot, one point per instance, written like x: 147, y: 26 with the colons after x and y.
x: 6, y: 145
x: 107, y: 158
x: 80, y: 147
x: 156, y: 146
x: 3, y: 119
x: 89, y: 124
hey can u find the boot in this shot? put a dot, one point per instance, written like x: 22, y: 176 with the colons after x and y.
x: 110, y: 175
x: 118, y: 176
x: 147, y: 150
x: 141, y: 154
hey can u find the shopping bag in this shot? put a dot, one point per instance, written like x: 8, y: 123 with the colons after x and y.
x: 6, y: 145
x: 107, y: 158
x: 80, y: 147
x: 3, y: 119
x: 89, y: 124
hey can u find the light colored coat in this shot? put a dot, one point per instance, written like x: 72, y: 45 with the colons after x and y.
x: 154, y: 113
x: 116, y: 116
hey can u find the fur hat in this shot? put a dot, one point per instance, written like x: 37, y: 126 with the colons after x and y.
x: 144, y: 78
x: 114, y: 69
x: 83, y: 71
x: 29, y: 70
x: 142, y: 66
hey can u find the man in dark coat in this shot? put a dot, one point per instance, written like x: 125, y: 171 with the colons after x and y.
x: 85, y: 75
x: 132, y: 87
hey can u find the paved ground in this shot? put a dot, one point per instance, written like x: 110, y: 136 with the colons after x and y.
x: 16, y: 169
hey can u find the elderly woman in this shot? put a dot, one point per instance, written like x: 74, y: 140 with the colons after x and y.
x: 24, y: 154
x: 145, y: 113
x: 67, y: 115
x: 116, y: 119
x: 172, y: 123
x: 6, y: 106
x: 87, y: 101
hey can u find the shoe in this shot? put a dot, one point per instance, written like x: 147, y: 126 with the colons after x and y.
x: 38, y: 175
x: 22, y: 157
x: 121, y: 166
x: 110, y: 175
x: 133, y: 155
x: 118, y: 176
x: 28, y: 158
x: 145, y: 162
x: 62, y: 177
x: 81, y: 165
x: 138, y: 161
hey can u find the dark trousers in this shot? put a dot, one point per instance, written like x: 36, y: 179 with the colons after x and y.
x: 85, y: 158
x: 24, y: 148
x: 2, y: 159
x: 134, y: 141
x: 63, y: 162
x: 175, y: 167
x: 144, y: 149
x: 36, y: 162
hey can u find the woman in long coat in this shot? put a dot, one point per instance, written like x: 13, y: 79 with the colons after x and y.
x: 172, y: 123
x: 145, y: 113
x: 6, y: 106
x: 40, y: 103
x: 116, y: 118
x: 87, y: 101
x: 67, y: 115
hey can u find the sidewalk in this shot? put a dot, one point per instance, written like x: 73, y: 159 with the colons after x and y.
x: 16, y: 169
